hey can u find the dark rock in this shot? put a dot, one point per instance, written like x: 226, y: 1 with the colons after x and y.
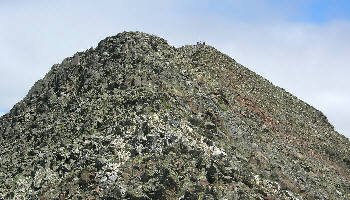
x: 135, y: 118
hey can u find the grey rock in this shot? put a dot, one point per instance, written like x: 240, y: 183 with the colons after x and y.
x: 135, y: 118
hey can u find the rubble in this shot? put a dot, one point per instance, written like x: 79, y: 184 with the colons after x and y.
x: 136, y: 118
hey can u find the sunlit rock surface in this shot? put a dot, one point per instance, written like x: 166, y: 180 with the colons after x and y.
x: 135, y: 118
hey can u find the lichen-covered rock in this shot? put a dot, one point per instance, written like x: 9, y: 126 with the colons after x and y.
x: 136, y: 118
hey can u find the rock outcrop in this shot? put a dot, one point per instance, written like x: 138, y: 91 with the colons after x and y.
x: 135, y: 118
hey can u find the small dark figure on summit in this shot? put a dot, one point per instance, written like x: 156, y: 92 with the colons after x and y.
x: 136, y: 118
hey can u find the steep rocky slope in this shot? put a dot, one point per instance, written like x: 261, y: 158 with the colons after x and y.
x: 135, y: 118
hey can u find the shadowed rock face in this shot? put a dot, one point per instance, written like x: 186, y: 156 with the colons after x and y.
x: 136, y: 118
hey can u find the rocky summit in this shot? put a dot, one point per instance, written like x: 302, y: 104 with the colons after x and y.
x: 136, y: 118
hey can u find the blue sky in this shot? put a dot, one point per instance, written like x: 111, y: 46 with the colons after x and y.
x: 313, y: 11
x: 321, y: 11
x: 301, y: 46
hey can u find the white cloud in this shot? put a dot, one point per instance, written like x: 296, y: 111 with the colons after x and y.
x: 309, y: 60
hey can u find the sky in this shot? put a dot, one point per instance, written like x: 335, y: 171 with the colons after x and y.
x: 301, y: 46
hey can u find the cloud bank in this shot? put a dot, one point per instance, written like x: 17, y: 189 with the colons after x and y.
x: 307, y: 58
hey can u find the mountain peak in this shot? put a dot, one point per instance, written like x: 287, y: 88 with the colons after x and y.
x: 135, y: 118
x: 130, y: 39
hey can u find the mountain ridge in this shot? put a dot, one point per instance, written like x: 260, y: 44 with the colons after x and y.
x: 189, y: 123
